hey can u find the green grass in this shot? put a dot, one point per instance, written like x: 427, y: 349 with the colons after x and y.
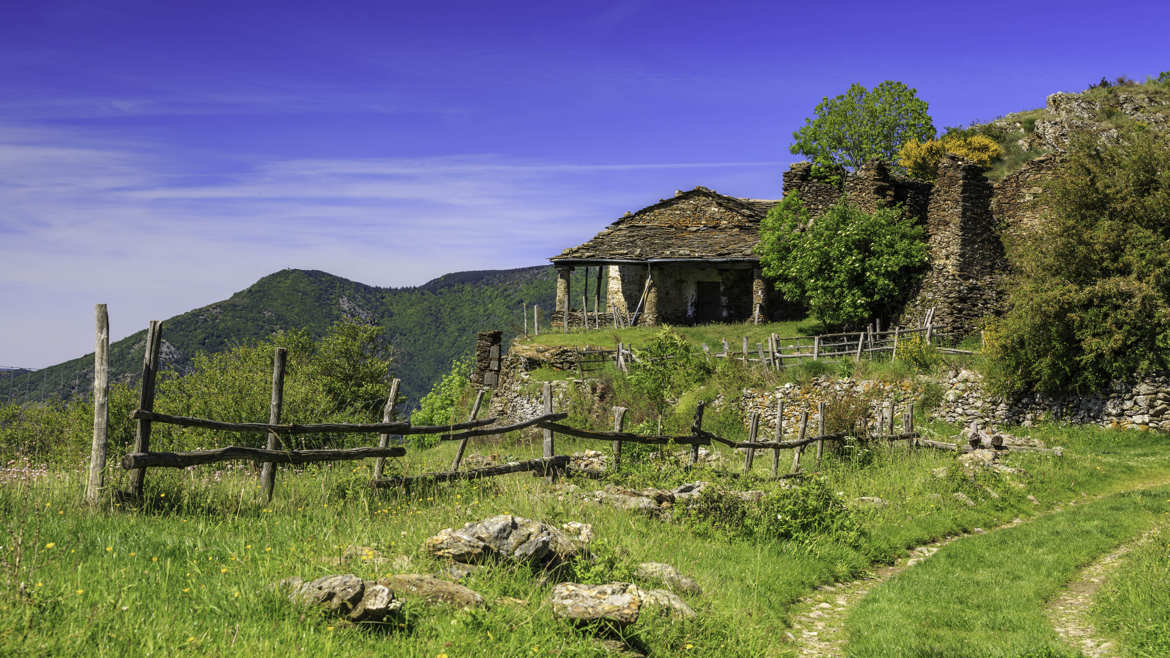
x: 1133, y: 606
x: 100, y: 591
x: 986, y: 595
x: 711, y: 334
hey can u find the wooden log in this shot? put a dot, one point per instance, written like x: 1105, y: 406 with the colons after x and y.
x: 524, y: 316
x: 101, y: 407
x: 619, y: 422
x: 760, y: 352
x: 896, y: 335
x: 546, y: 466
x: 137, y: 460
x: 860, y: 341
x: 388, y: 416
x: 597, y: 297
x: 645, y: 291
x: 938, y: 445
x: 627, y: 437
x: 549, y: 447
x: 463, y: 442
x: 503, y: 429
x: 800, y: 448
x: 816, y: 347
x: 323, y: 428
x: 146, y: 401
x: 536, y: 319
x: 753, y: 430
x: 268, y: 470
x: 820, y: 431
x: 779, y: 435
x: 697, y: 431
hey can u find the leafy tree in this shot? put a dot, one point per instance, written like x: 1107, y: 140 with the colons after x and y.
x: 847, y: 265
x: 438, y: 406
x: 1091, y: 299
x: 921, y: 158
x: 668, y: 365
x: 353, y: 363
x: 861, y: 125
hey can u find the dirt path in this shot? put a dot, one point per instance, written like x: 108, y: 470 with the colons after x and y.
x: 818, y: 626
x: 1069, y: 612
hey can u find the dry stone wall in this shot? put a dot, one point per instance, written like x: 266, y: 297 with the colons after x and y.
x: 1143, y: 404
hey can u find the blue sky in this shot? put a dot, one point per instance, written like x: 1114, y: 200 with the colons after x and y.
x: 159, y: 156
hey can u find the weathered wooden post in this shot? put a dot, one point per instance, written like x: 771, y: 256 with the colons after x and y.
x: 536, y: 319
x: 549, y: 447
x: 697, y: 431
x: 860, y: 340
x: 268, y: 470
x: 753, y: 429
x: 619, y: 421
x: 820, y: 430
x: 101, y: 408
x: 816, y: 347
x: 800, y: 449
x: 146, y: 402
x: 524, y: 316
x: 463, y: 443
x: 597, y: 297
x: 745, y: 349
x: 897, y: 330
x: 779, y: 435
x: 387, y: 416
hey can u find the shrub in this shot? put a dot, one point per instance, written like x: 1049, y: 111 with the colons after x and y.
x: 922, y: 356
x: 667, y: 366
x: 1091, y: 299
x: 921, y: 159
x: 847, y: 265
x: 438, y: 406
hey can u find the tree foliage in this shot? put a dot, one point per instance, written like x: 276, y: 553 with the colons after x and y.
x: 1091, y: 300
x: 847, y: 266
x: 438, y: 406
x: 668, y: 365
x: 862, y: 125
x: 921, y: 158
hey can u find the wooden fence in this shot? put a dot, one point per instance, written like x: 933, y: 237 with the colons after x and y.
x: 142, y: 457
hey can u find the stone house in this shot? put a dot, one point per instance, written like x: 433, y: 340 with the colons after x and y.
x: 690, y: 259
x: 684, y: 260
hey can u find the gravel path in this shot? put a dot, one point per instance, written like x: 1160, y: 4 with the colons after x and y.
x: 1069, y: 612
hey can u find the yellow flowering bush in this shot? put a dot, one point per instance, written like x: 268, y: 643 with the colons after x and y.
x: 921, y: 158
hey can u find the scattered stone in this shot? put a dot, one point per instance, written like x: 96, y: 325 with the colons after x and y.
x: 401, y: 563
x: 590, y: 460
x: 472, y: 462
x: 458, y: 570
x: 940, y: 472
x: 618, y: 603
x: 617, y: 647
x: 666, y: 601
x: 432, y: 590
x: 509, y: 537
x: 963, y: 498
x: 689, y: 491
x: 1032, y: 499
x: 872, y: 501
x: 511, y: 600
x: 667, y: 575
x: 345, y: 595
x: 582, y: 533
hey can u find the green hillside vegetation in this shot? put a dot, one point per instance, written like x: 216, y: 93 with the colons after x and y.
x: 425, y: 326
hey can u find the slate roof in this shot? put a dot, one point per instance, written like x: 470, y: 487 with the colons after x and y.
x: 698, y: 224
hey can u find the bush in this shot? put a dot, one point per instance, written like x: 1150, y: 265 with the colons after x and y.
x: 803, y: 513
x: 847, y: 266
x: 921, y: 159
x: 667, y: 366
x: 439, y: 405
x: 1091, y: 300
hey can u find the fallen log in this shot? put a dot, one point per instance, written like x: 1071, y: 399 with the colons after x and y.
x: 700, y: 440
x: 374, y: 428
x: 502, y: 429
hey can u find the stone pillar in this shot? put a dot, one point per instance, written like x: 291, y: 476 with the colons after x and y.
x: 650, y: 308
x: 759, y: 294
x: 487, y: 358
x: 563, y: 272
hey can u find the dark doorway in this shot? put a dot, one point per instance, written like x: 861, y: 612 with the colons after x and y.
x: 708, y: 302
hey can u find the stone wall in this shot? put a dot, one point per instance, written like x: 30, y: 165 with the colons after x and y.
x: 1143, y: 404
x: 817, y: 195
x: 673, y: 294
x: 804, y: 397
x: 1018, y: 200
x: 967, y: 262
x: 487, y: 358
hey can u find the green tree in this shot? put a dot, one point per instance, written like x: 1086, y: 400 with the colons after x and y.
x: 847, y: 266
x: 438, y: 406
x: 1091, y: 299
x: 862, y: 125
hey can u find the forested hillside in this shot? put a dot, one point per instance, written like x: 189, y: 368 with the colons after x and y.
x: 426, y: 326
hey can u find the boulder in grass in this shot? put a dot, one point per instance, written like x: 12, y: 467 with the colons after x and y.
x: 667, y: 575
x: 432, y: 590
x: 345, y: 595
x: 668, y: 602
x: 508, y: 537
x: 617, y: 603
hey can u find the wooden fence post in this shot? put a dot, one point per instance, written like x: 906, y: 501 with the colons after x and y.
x: 697, y: 430
x: 800, y: 449
x: 745, y: 349
x: 816, y: 347
x: 549, y: 447
x: 146, y: 402
x: 524, y: 315
x: 535, y: 319
x: 860, y: 340
x: 619, y: 421
x: 894, y: 355
x: 387, y: 416
x: 820, y: 430
x: 268, y: 471
x: 910, y: 422
x: 779, y: 435
x: 101, y: 409
x: 463, y: 443
x: 753, y: 430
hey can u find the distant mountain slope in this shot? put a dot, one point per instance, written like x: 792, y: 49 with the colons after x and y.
x: 428, y: 325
